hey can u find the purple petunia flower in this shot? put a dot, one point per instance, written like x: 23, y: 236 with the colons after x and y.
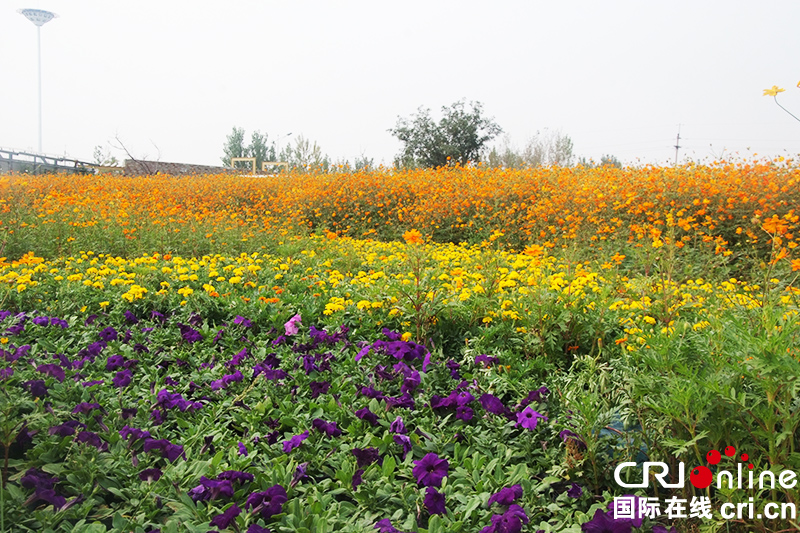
x: 529, y: 418
x: 294, y: 442
x: 405, y: 442
x: 167, y: 449
x: 36, y: 387
x: 485, y: 360
x: 150, y: 474
x: 575, y: 491
x: 604, y: 523
x: 63, y: 324
x: 434, y: 501
x: 658, y: 528
x: 237, y: 359
x: 223, y: 520
x: 567, y: 435
x: 397, y: 426
x: 211, y: 489
x: 189, y: 334
x: 122, y: 378
x: 6, y: 373
x: 319, y: 387
x: 385, y: 526
x: 255, y: 528
x: 357, y: 480
x: 92, y: 439
x: 226, y: 380
x: 506, y: 495
x: 130, y: 318
x: 366, y: 456
x: 634, y: 522
x: 86, y: 408
x: 329, y: 428
x: 430, y: 470
x: 236, y: 475
x: 299, y: 474
x: 114, y: 362
x: 109, y: 334
x: 52, y: 370
x: 242, y: 449
x: 242, y: 321
x: 269, y: 502
x: 292, y: 327
x: 367, y: 415
x: 66, y: 429
x: 537, y: 395
x: 493, y: 404
x: 464, y: 413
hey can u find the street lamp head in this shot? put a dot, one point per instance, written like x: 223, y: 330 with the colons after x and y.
x: 39, y: 17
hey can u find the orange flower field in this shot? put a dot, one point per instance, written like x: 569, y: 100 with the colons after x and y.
x: 729, y: 208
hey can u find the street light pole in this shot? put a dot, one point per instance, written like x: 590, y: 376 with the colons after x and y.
x: 39, y: 17
x: 277, y: 143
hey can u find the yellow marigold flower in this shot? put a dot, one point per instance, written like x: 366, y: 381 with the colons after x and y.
x: 3, y: 340
x: 185, y: 291
x: 103, y: 305
x: 406, y: 336
x: 21, y: 287
x: 773, y: 91
x: 234, y: 280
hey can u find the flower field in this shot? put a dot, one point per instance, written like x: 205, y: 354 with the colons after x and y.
x: 462, y: 349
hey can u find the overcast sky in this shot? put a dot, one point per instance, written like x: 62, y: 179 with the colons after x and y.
x: 172, y: 78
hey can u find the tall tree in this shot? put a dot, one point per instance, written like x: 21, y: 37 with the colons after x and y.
x: 259, y: 149
x: 459, y: 136
x: 234, y: 146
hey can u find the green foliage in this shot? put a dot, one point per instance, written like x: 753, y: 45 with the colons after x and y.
x: 103, y: 157
x: 305, y: 155
x: 259, y: 148
x: 607, y: 160
x: 459, y: 137
x: 234, y: 146
x: 543, y: 149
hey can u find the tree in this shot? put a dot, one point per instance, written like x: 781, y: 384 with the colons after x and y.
x: 305, y: 154
x: 607, y: 160
x: 459, y: 137
x: 234, y: 146
x: 104, y: 158
x: 545, y: 148
x: 259, y: 149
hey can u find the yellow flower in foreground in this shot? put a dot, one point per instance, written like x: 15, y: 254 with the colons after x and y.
x: 185, y: 291
x: 406, y: 336
x: 774, y: 91
x: 103, y: 305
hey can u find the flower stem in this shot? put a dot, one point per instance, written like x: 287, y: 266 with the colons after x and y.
x: 779, y: 105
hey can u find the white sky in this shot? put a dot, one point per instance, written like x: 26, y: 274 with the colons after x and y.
x: 617, y: 77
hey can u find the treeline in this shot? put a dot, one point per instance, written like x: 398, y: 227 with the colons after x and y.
x: 461, y: 136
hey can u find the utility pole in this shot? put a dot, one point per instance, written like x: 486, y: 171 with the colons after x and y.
x: 677, y: 144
